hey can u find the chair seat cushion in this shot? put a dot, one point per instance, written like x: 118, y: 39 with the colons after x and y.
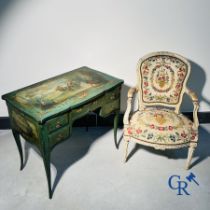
x: 161, y: 126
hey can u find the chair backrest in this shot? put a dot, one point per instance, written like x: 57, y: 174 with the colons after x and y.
x: 162, y: 78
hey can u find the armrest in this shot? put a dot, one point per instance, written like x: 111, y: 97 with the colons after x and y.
x: 194, y: 98
x: 131, y: 92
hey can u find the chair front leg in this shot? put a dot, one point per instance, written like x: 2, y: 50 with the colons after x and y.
x: 126, y: 139
x: 190, y: 155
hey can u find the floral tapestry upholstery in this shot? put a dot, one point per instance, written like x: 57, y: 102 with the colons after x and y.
x: 158, y: 123
x: 162, y: 78
x: 160, y: 126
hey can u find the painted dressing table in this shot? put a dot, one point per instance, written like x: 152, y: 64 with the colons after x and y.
x: 44, y: 113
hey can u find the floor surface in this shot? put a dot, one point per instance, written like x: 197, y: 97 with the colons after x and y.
x: 88, y: 173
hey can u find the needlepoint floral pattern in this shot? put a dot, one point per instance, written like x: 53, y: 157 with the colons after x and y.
x: 158, y: 123
x: 160, y: 127
x: 162, y: 79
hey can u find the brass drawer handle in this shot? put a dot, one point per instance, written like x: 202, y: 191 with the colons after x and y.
x: 58, y: 124
x: 60, y: 136
x: 113, y: 97
x: 79, y: 110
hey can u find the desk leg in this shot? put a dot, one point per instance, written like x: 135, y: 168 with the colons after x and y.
x: 18, y: 142
x: 116, y: 120
x: 46, y: 160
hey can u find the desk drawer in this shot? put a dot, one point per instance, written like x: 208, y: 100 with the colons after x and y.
x: 57, y: 122
x: 79, y: 112
x: 108, y: 108
x: 91, y: 106
x: 113, y: 94
x: 59, y: 135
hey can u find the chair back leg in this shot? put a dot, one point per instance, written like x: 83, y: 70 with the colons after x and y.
x: 190, y: 155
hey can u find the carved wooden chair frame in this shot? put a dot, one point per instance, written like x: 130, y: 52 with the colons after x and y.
x: 176, y: 106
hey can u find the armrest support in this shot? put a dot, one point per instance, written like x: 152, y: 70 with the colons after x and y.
x: 194, y: 98
x: 131, y: 92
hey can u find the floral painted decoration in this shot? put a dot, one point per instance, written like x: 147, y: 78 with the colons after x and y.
x: 162, y: 79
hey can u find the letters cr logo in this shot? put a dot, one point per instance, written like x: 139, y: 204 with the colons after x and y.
x: 175, y: 184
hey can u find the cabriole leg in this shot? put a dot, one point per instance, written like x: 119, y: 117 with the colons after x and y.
x: 19, y: 146
x: 46, y: 160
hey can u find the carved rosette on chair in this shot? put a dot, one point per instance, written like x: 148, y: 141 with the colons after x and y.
x: 158, y: 123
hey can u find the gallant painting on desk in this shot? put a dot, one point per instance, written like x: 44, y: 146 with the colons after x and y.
x: 64, y: 92
x: 56, y: 91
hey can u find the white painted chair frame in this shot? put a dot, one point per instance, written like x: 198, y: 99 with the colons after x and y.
x: 137, y: 89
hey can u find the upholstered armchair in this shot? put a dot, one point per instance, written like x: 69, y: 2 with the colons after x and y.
x: 158, y: 123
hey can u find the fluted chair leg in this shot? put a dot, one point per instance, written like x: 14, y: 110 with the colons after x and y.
x: 126, y: 150
x: 189, y: 157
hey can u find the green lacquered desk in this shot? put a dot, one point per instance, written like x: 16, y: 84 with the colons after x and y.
x: 44, y: 113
